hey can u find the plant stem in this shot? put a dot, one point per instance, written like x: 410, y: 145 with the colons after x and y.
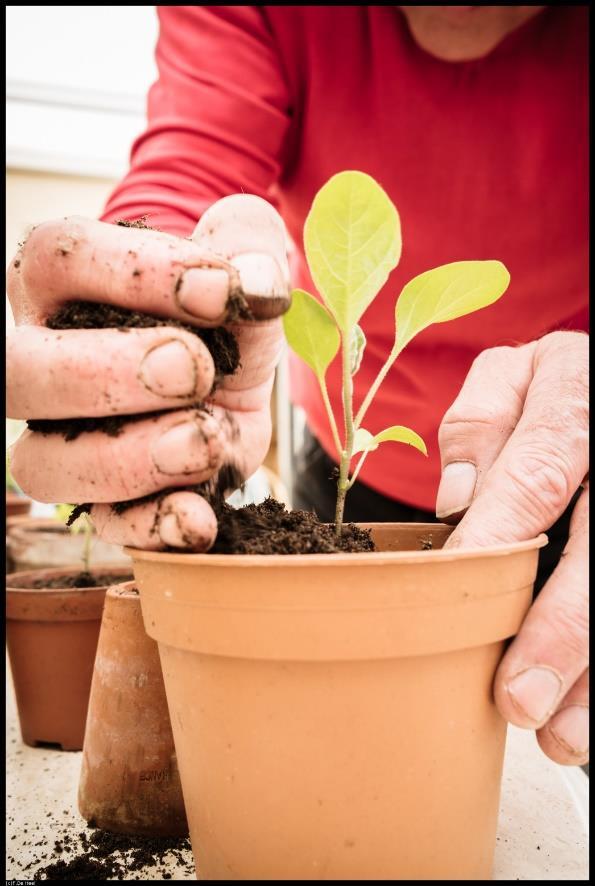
x: 358, y: 468
x: 374, y: 388
x: 329, y: 412
x: 87, y: 547
x: 343, y: 484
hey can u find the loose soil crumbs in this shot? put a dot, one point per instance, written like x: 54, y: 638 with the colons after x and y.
x: 269, y: 528
x: 103, y: 856
x: 138, y: 223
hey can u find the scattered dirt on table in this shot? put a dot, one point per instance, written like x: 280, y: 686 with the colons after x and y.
x: 100, y: 855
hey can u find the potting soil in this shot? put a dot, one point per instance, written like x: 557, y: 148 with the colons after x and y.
x: 81, y: 580
x: 269, y: 528
x: 100, y: 855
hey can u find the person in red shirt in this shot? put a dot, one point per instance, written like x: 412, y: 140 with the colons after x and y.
x: 474, y: 120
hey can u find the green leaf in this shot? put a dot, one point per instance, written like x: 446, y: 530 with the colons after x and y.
x: 311, y: 332
x: 363, y: 440
x: 10, y: 482
x: 446, y: 293
x: 357, y: 346
x: 400, y: 434
x: 352, y: 238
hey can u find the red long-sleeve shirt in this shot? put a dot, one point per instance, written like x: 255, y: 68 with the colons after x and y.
x: 483, y: 159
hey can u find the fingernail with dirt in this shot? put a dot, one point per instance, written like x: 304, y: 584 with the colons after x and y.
x: 188, y: 522
x: 169, y: 370
x: 534, y: 692
x: 203, y: 292
x: 456, y: 489
x: 570, y: 728
x: 173, y: 534
x: 191, y: 447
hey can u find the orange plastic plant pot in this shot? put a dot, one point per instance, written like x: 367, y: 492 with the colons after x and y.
x: 52, y: 637
x: 333, y: 714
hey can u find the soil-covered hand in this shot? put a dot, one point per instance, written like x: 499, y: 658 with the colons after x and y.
x: 232, y: 272
x: 514, y: 449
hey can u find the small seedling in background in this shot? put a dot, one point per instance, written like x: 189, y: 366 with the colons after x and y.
x: 81, y: 524
x: 11, y: 486
x: 352, y: 239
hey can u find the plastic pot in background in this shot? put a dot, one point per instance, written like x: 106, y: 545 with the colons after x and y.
x: 48, y: 544
x: 51, y: 634
x: 129, y: 778
x: 333, y: 714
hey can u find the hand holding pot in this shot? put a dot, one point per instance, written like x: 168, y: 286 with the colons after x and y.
x: 237, y: 253
x: 514, y: 449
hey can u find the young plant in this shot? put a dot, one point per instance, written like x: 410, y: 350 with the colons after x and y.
x: 81, y: 524
x: 11, y: 486
x: 14, y: 429
x: 352, y: 239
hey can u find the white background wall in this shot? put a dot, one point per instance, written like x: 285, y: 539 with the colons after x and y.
x: 76, y: 83
x: 77, y: 77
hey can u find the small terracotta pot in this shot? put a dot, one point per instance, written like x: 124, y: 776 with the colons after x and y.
x: 129, y: 778
x: 333, y: 713
x: 48, y: 544
x: 51, y: 636
x: 17, y: 505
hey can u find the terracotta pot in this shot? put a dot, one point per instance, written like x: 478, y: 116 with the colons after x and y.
x: 17, y: 505
x: 52, y: 636
x: 333, y: 714
x: 129, y: 778
x: 48, y: 544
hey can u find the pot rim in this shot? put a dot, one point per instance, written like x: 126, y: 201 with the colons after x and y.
x: 369, y: 558
x: 61, y: 570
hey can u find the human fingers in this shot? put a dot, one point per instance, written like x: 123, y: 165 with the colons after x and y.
x: 178, y: 448
x: 181, y: 520
x: 54, y: 374
x: 477, y: 425
x: 543, y: 667
x: 145, y: 270
x: 544, y: 460
x: 565, y: 737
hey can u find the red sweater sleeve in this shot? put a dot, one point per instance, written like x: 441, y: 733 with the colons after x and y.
x: 217, y: 118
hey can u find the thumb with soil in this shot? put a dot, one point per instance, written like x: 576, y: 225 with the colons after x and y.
x: 160, y: 428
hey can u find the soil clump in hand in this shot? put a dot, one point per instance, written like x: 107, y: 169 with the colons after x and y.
x: 221, y: 343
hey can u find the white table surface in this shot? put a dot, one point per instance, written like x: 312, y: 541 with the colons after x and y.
x: 542, y: 832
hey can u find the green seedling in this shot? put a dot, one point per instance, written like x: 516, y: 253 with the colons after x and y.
x: 352, y: 239
x: 81, y: 524
x: 11, y: 485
